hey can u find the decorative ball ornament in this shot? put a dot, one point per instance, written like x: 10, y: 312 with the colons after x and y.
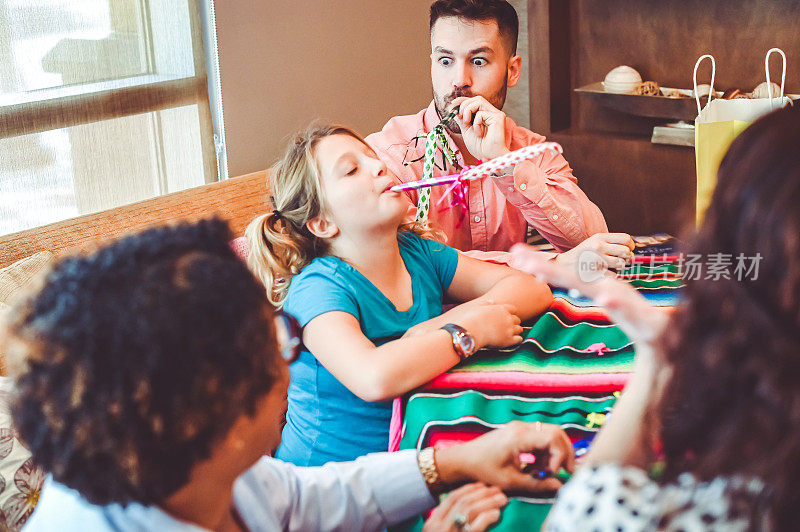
x: 622, y: 80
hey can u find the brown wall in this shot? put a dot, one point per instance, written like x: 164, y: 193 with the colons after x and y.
x: 286, y: 63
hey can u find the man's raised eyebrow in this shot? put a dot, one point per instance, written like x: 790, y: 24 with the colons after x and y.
x: 441, y: 50
x: 481, y: 50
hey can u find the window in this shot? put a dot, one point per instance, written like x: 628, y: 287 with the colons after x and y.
x: 102, y: 103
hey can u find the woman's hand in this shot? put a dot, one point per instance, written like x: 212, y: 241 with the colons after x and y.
x: 626, y: 438
x: 627, y: 308
x: 608, y: 250
x: 494, y: 458
x: 472, y: 507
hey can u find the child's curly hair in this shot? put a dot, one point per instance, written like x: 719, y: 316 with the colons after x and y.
x: 138, y: 359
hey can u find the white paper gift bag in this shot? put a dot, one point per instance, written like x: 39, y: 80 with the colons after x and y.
x: 720, y: 121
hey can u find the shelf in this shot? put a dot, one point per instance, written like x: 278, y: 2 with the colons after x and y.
x: 649, y: 106
x: 577, y: 133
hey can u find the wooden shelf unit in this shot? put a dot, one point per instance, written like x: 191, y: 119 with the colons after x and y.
x: 643, y: 187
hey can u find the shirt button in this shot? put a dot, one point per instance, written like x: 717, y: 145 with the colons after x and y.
x: 523, y: 187
x: 511, y: 189
x: 555, y: 217
x: 477, y: 218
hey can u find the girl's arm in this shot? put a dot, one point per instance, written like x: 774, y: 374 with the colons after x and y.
x: 396, y: 367
x: 500, y: 298
x: 477, y: 282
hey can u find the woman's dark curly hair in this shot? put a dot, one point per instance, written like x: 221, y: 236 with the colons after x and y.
x: 139, y: 358
x: 732, y: 404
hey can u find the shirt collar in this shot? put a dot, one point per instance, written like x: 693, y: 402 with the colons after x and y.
x: 430, y: 118
x: 59, y: 500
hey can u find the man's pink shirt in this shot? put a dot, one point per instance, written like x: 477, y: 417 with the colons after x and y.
x: 541, y: 192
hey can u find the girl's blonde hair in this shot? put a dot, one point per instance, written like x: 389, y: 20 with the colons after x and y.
x: 280, y: 243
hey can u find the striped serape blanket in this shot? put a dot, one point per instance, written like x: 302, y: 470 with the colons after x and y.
x: 569, y: 371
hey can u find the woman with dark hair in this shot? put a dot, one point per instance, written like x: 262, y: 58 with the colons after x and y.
x: 716, y: 392
x: 151, y: 379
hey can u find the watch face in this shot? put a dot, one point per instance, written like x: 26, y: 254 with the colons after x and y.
x: 467, y: 343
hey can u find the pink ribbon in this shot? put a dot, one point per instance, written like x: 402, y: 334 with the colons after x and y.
x: 457, y: 192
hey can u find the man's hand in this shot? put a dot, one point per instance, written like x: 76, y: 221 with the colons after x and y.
x: 483, y: 127
x: 613, y: 249
x: 473, y: 506
x: 494, y: 458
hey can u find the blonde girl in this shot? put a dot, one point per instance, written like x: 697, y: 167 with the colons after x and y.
x: 367, y: 290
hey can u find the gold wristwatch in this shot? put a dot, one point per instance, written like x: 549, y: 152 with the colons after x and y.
x: 426, y: 460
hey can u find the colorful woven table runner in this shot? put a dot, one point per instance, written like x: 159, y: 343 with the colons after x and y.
x: 569, y: 370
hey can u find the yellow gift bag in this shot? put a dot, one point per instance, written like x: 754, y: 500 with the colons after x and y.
x: 719, y: 122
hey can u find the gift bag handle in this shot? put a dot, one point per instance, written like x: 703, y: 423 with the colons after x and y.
x: 783, y: 77
x: 713, y: 73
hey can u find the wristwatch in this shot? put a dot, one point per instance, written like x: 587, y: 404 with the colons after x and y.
x: 463, y: 342
x: 426, y: 461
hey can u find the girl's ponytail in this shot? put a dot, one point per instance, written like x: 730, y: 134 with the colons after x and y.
x: 280, y: 243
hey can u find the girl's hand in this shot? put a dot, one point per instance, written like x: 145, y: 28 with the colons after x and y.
x: 454, y: 315
x: 488, y: 323
x: 472, y: 507
x: 491, y: 324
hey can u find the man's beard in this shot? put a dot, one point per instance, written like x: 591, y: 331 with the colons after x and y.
x: 444, y: 105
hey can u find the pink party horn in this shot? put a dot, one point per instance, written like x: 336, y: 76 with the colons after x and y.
x: 496, y: 166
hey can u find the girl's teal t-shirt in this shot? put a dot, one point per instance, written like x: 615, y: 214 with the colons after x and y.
x: 326, y: 422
